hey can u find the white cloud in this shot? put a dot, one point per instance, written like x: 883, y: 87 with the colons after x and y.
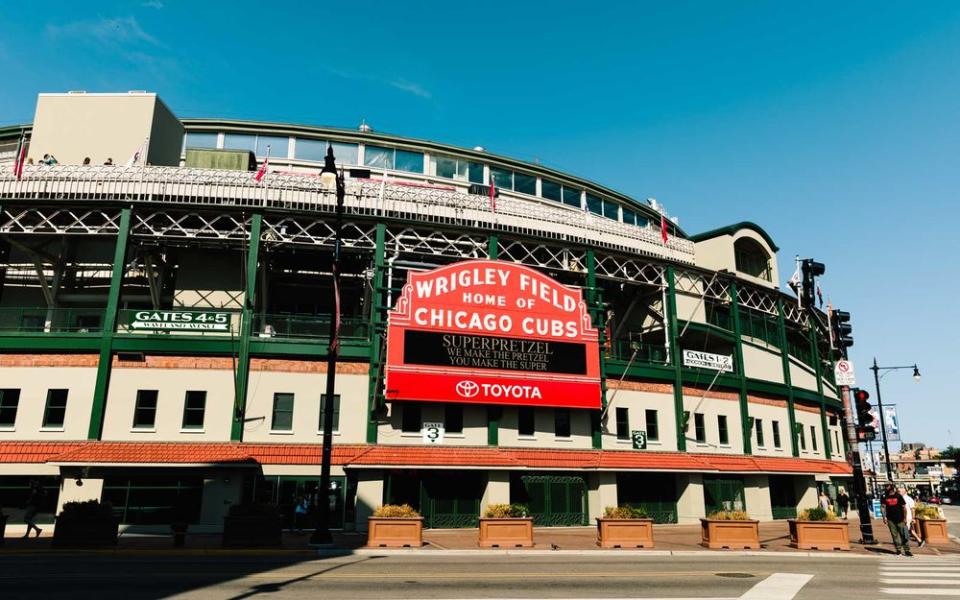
x: 157, y: 4
x: 401, y: 84
x: 118, y: 31
x: 413, y: 88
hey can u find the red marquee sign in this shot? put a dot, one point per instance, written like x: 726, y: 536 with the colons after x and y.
x: 492, y: 332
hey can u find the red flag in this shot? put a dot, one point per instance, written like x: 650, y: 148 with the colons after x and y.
x: 493, y: 193
x: 262, y: 171
x: 663, y: 228
x: 21, y: 158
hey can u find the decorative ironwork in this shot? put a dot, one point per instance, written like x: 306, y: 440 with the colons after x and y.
x: 61, y: 221
x: 630, y: 269
x: 543, y: 256
x: 757, y: 299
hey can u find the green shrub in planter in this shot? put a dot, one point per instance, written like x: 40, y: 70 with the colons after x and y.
x: 729, y: 515
x: 506, y: 511
x: 625, y: 511
x: 393, y: 511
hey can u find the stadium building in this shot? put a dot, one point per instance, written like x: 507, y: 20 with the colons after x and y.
x: 164, y: 331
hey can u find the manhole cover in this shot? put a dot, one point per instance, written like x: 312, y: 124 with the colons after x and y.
x: 736, y: 575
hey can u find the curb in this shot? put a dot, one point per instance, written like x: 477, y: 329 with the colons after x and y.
x: 421, y: 552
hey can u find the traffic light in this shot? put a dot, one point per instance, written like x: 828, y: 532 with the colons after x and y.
x: 811, y: 270
x: 842, y: 331
x: 865, y: 430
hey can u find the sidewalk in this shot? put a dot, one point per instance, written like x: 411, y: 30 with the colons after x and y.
x: 774, y: 537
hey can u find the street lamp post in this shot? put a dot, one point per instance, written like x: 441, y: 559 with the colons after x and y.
x: 883, y: 422
x: 321, y: 533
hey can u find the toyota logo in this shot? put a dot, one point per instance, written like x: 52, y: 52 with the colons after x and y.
x: 468, y: 389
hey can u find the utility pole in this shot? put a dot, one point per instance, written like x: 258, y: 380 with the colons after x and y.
x: 859, y: 482
x: 883, y: 421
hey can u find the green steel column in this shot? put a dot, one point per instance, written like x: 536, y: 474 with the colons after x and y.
x: 595, y: 307
x: 671, y: 315
x: 787, y: 378
x: 745, y: 429
x: 819, y: 372
x: 376, y: 331
x: 494, y: 413
x: 246, y: 325
x: 105, y: 362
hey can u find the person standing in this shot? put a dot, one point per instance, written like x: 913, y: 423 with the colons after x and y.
x: 34, y: 500
x: 895, y: 518
x: 824, y: 501
x: 843, y: 502
x: 912, y: 525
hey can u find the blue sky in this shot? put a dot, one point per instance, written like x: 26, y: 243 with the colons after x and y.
x: 832, y: 125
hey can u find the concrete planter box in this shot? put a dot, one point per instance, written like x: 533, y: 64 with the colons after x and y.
x: 394, y: 532
x: 934, y: 531
x: 87, y: 532
x: 819, y: 535
x: 625, y: 533
x: 730, y: 534
x: 510, y: 532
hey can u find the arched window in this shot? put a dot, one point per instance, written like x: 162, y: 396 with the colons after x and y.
x: 752, y: 258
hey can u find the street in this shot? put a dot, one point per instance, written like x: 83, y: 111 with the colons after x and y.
x: 419, y: 575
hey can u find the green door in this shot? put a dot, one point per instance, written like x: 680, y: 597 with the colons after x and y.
x: 723, y: 493
x: 553, y: 500
x: 656, y: 492
x: 451, y: 499
x: 783, y: 497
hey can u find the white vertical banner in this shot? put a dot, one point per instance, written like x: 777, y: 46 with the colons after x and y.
x: 892, y: 422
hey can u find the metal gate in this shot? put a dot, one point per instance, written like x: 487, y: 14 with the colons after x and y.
x: 553, y: 500
x: 451, y: 500
x: 723, y: 494
x: 783, y: 498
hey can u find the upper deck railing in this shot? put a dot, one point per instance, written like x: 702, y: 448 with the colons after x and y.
x: 305, y: 193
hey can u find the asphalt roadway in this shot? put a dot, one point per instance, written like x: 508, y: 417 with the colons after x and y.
x: 776, y: 576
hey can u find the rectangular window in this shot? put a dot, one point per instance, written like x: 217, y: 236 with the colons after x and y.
x: 813, y: 437
x: 653, y: 427
x: 623, y: 423
x: 459, y: 169
x: 453, y: 418
x: 316, y: 150
x: 611, y: 210
x: 194, y: 407
x: 758, y: 423
x: 571, y: 197
x: 336, y: 412
x: 776, y: 433
x: 202, y: 139
x: 56, y: 409
x: 724, y: 433
x: 411, y: 421
x: 594, y: 204
x: 240, y: 141
x: 9, y: 401
x: 501, y: 178
x: 629, y: 217
x: 686, y: 422
x: 552, y: 191
x: 411, y: 162
x: 561, y: 422
x: 145, y: 410
x: 282, y: 419
x: 278, y: 146
x: 382, y: 158
x: 525, y: 184
x: 836, y: 439
x: 700, y: 427
x: 803, y: 440
x: 526, y: 421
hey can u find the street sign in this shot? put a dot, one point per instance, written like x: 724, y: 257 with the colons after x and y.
x: 179, y: 320
x: 639, y: 439
x: 708, y: 360
x: 843, y: 373
x: 432, y: 433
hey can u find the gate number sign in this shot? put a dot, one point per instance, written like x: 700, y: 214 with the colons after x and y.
x: 432, y: 433
x: 639, y: 439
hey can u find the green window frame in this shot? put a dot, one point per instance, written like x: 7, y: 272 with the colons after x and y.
x: 722, y: 430
x: 526, y: 421
x: 653, y: 425
x: 758, y: 424
x: 55, y: 411
x: 9, y: 402
x: 561, y: 422
x: 776, y: 433
x: 803, y: 439
x: 700, y: 427
x: 813, y: 437
x: 194, y: 409
x: 282, y: 417
x: 336, y: 412
x: 145, y: 409
x: 411, y: 421
x: 453, y: 418
x: 623, y: 423
x: 525, y: 184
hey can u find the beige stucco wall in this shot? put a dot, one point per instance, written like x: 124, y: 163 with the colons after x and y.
x: 369, y: 495
x: 711, y: 409
x: 718, y: 253
x: 762, y: 364
x: 601, y: 493
x: 690, y: 504
x: 474, y: 425
x: 801, y: 376
x: 638, y: 403
x: 810, y: 419
x: 101, y: 126
x: 768, y: 414
x: 756, y: 491
x: 33, y: 383
x: 543, y: 437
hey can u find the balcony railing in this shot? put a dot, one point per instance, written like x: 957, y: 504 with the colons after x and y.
x: 40, y: 320
x: 646, y: 353
x: 290, y: 326
x: 422, y: 203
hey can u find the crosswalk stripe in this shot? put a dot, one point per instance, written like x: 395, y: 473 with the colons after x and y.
x: 919, y: 592
x: 922, y: 574
x: 918, y: 581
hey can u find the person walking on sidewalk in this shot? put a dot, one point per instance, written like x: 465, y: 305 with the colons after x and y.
x: 34, y: 500
x: 843, y: 502
x: 895, y: 518
x: 912, y: 525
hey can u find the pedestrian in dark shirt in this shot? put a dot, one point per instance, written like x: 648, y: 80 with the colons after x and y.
x: 895, y: 516
x: 34, y: 500
x: 843, y: 502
